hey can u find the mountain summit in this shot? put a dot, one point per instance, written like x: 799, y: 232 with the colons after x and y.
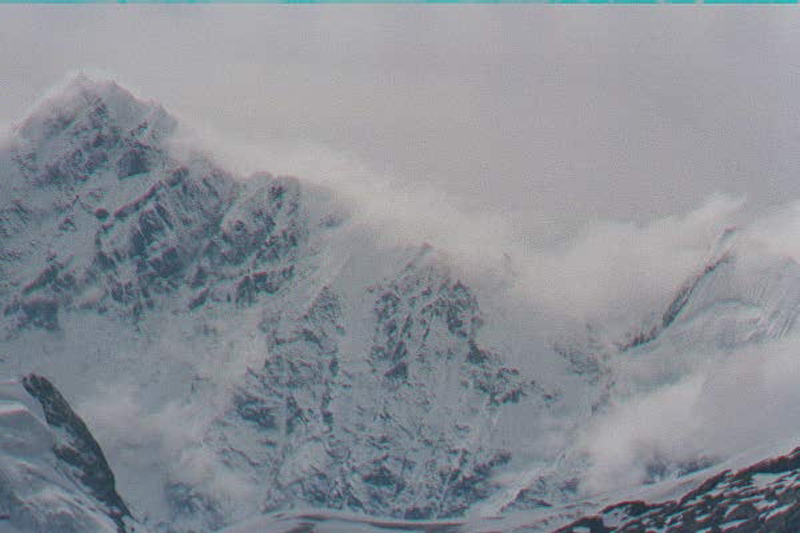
x: 82, y: 104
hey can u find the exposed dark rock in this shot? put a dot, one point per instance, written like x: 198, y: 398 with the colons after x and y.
x: 188, y: 502
x: 198, y: 300
x: 383, y: 477
x: 46, y: 277
x: 77, y: 448
x: 135, y: 161
x: 593, y: 523
x: 254, y: 410
x: 398, y: 371
x: 675, y: 307
x: 728, y: 501
x: 245, y: 291
x: 777, y: 465
x: 39, y: 313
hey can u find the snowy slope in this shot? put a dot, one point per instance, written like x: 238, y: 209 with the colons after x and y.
x: 53, y: 475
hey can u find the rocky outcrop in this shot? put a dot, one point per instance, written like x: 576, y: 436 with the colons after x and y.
x: 76, y: 448
x: 53, y: 474
x: 762, y: 498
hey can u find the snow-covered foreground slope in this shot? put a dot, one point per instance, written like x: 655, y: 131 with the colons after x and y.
x: 243, y: 345
x: 53, y: 475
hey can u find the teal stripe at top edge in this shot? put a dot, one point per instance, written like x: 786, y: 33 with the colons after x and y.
x: 398, y: 1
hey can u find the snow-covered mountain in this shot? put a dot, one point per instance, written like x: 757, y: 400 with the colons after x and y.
x: 282, y: 359
x: 237, y: 346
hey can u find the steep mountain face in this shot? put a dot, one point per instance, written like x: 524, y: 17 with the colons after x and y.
x: 53, y: 474
x: 239, y: 347
x: 112, y: 223
x: 398, y: 429
x: 740, y: 297
x: 288, y: 362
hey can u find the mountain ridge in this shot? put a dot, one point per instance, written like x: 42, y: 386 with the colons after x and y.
x: 53, y: 474
x: 243, y: 348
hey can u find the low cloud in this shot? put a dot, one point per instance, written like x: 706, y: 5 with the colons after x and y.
x: 166, y: 445
x: 727, y: 404
x: 605, y: 271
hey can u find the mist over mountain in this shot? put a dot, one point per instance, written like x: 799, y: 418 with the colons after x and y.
x: 228, y: 346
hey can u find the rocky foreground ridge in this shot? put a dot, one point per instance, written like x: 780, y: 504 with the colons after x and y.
x: 53, y: 474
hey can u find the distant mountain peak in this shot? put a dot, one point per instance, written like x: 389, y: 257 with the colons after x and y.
x: 81, y: 103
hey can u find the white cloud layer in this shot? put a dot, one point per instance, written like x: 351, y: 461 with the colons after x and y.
x: 729, y: 404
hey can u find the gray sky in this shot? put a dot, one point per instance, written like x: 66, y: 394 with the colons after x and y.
x: 575, y: 112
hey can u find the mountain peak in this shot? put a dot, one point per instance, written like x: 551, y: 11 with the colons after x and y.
x: 81, y: 103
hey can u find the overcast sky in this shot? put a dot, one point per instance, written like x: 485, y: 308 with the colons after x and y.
x: 572, y: 113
